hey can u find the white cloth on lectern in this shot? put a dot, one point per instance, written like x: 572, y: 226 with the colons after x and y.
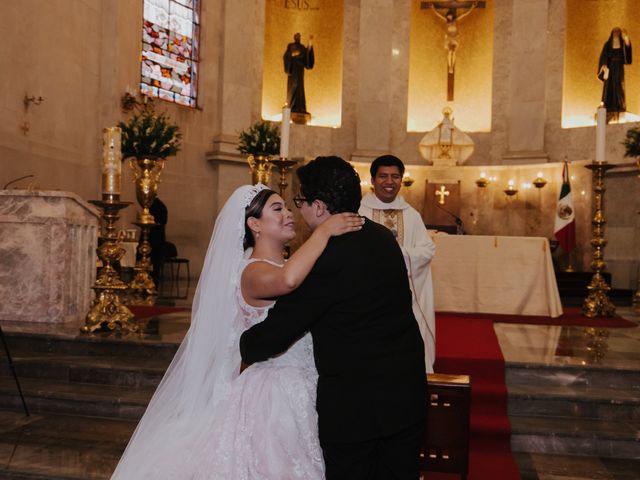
x: 418, y: 250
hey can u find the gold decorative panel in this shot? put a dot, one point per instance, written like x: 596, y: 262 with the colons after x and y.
x: 428, y: 70
x: 589, y: 24
x: 323, y: 84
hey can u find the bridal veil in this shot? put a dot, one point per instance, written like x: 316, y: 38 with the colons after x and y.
x: 192, y: 392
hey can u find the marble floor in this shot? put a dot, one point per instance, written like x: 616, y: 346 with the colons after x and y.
x: 575, y: 361
x: 68, y: 446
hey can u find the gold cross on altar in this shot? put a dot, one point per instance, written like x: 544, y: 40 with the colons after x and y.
x: 443, y: 192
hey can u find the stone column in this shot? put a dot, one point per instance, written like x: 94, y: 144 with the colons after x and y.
x: 526, y: 115
x: 239, y: 81
x: 374, y: 79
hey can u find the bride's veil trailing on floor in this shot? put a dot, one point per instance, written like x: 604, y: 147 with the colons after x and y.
x: 199, y: 377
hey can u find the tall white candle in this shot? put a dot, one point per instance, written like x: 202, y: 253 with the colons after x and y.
x: 601, y: 125
x: 284, y: 132
x: 111, y: 160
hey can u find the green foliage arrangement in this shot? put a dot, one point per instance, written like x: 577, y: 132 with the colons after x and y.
x: 148, y: 134
x: 262, y: 138
x: 632, y: 143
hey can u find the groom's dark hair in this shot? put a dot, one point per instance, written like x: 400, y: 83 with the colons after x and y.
x: 333, y: 181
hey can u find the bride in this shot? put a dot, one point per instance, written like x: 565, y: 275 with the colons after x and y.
x: 205, y: 420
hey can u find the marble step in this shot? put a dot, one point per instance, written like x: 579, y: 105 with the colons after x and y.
x: 91, y: 345
x: 581, y: 401
x: 60, y: 447
x: 44, y: 395
x: 618, y: 375
x: 575, y: 436
x: 102, y: 369
x: 536, y: 466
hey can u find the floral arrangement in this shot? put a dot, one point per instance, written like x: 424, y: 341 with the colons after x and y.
x: 262, y: 138
x: 632, y: 143
x: 148, y: 134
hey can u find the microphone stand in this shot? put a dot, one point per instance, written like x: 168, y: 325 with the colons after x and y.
x: 459, y: 226
x: 13, y: 370
x: 16, y: 180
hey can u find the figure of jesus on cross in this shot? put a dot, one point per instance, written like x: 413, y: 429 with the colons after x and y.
x: 452, y: 16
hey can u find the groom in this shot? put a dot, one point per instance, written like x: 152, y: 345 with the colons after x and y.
x: 368, y: 350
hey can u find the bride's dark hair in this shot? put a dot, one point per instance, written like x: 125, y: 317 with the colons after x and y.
x: 254, y: 209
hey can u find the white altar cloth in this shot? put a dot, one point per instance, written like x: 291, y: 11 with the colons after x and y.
x: 492, y: 274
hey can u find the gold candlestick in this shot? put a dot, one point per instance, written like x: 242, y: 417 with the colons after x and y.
x: 284, y: 166
x: 260, y: 166
x: 597, y: 302
x: 106, y: 309
x: 147, y: 177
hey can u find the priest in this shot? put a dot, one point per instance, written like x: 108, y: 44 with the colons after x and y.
x: 386, y: 207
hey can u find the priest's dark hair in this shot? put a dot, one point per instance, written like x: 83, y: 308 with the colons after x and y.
x: 254, y: 209
x: 333, y: 181
x: 386, y: 161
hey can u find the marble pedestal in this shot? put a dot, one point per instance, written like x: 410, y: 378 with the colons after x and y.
x: 48, y: 245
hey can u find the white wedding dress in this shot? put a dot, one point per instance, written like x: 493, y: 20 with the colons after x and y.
x: 270, y: 428
x: 207, y: 422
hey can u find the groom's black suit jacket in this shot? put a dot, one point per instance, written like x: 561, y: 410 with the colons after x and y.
x: 368, y: 350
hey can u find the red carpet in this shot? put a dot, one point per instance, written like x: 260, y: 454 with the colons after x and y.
x: 468, y: 345
x: 148, y: 311
x: 571, y: 316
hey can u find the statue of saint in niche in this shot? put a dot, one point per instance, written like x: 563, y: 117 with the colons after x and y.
x: 616, y: 53
x: 297, y: 58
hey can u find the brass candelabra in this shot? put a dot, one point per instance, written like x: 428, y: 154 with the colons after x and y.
x: 147, y: 177
x: 284, y: 166
x: 107, y: 309
x: 260, y: 166
x: 597, y: 302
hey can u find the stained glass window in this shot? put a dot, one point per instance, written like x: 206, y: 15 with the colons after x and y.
x: 170, y: 50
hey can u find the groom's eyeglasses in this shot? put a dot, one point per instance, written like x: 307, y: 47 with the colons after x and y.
x: 298, y: 201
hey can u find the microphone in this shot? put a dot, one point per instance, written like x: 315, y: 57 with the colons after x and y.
x: 17, y: 180
x: 459, y: 226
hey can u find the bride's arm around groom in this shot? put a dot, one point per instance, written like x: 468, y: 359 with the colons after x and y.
x: 367, y: 346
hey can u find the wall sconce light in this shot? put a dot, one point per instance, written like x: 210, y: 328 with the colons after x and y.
x: 128, y: 102
x: 365, y: 187
x: 407, y: 179
x: 511, y: 189
x: 31, y: 99
x: 483, y: 181
x: 539, y: 181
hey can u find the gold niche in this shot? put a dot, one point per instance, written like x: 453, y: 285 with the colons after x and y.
x: 428, y: 70
x: 323, y: 84
x: 588, y: 26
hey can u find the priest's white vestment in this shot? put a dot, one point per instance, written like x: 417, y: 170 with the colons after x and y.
x: 418, y: 250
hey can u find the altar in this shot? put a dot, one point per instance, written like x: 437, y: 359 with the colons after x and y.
x: 47, y: 255
x: 494, y: 274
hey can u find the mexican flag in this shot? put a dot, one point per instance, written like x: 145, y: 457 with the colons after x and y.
x: 565, y: 227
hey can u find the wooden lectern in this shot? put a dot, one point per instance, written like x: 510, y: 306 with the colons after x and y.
x: 446, y: 446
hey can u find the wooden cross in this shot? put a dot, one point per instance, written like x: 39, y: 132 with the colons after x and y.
x: 451, y: 17
x: 443, y: 192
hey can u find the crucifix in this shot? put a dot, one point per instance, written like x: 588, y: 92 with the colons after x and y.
x: 452, y: 16
x: 443, y: 192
